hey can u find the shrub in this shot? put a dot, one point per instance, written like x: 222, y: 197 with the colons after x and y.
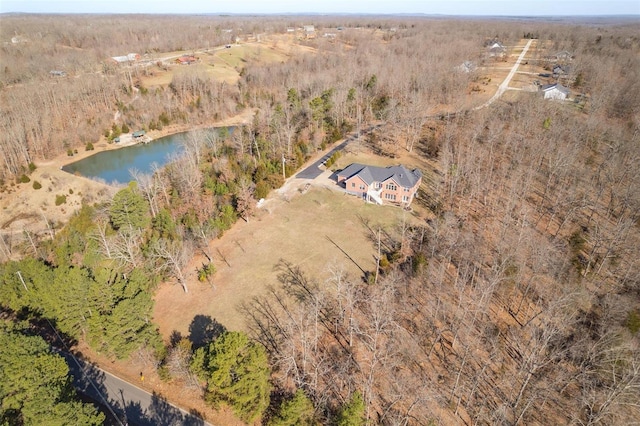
x: 70, y: 190
x: 206, y: 271
x: 164, y: 374
x: 36, y: 185
x: 262, y: 190
x: 164, y: 118
x: 125, y: 128
x: 89, y: 146
x: 633, y: 321
x: 70, y: 152
x: 32, y: 167
x: 24, y: 179
x: 61, y: 199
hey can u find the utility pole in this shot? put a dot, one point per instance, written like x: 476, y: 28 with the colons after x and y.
x: 283, y: 172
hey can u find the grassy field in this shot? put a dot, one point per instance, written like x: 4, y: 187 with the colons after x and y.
x: 222, y: 65
x: 317, y: 231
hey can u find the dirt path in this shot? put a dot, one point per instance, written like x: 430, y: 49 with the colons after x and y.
x: 505, y: 84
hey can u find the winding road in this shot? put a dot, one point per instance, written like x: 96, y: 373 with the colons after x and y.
x: 126, y: 403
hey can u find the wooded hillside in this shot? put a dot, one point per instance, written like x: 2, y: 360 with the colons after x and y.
x: 514, y: 300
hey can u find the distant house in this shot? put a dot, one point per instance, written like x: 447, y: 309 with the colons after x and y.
x: 57, y: 73
x: 564, y: 56
x: 187, y: 59
x: 559, y: 70
x: 309, y: 31
x: 466, y: 66
x: 138, y: 134
x: 495, y: 49
x: 126, y: 59
x: 554, y: 91
x: 291, y: 30
x: 380, y: 185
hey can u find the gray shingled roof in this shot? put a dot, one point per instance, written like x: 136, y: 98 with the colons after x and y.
x: 400, y: 174
x: 558, y: 86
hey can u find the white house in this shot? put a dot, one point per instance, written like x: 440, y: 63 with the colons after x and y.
x: 131, y: 57
x: 554, y: 91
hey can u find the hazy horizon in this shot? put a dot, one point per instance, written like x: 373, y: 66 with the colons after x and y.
x: 542, y: 8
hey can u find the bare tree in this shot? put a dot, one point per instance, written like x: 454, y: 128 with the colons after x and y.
x: 172, y: 257
x: 245, y: 201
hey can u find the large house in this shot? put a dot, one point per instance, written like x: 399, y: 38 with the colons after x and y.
x: 554, y: 91
x: 393, y: 184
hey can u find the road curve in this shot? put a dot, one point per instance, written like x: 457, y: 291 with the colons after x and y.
x: 127, y: 402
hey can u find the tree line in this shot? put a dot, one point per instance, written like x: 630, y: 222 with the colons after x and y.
x: 514, y: 303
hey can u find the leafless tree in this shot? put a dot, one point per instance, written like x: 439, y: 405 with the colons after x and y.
x: 172, y: 257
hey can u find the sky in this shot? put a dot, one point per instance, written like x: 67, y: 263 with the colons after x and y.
x: 444, y: 7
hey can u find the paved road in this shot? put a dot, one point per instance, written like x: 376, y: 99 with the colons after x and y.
x: 129, y: 404
x: 505, y: 84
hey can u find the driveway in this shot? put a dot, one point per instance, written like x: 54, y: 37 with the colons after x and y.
x: 313, y: 171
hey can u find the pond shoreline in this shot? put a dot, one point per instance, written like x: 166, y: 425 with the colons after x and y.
x: 24, y: 208
x: 103, y: 144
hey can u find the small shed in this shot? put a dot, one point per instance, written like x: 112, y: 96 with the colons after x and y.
x: 138, y: 134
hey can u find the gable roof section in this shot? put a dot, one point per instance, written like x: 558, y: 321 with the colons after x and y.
x: 556, y: 86
x: 400, y: 174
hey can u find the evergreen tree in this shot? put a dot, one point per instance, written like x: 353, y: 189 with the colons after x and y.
x: 129, y: 208
x: 35, y: 387
x: 237, y: 374
x: 121, y: 321
x: 352, y: 413
x: 297, y: 411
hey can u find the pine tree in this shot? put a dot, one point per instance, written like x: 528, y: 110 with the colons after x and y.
x: 352, y: 413
x: 35, y: 387
x: 297, y: 411
x: 237, y: 374
x: 129, y: 208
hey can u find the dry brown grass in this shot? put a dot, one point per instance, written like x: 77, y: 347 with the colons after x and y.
x: 317, y: 230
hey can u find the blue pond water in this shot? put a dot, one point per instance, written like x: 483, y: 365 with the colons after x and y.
x: 113, y: 166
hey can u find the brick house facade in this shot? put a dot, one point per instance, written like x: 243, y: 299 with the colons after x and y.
x: 381, y: 185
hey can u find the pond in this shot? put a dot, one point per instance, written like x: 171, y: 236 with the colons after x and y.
x: 113, y: 167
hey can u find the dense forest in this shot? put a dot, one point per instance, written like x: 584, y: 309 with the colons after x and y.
x: 515, y: 301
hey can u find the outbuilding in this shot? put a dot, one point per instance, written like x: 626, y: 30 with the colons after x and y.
x: 554, y: 91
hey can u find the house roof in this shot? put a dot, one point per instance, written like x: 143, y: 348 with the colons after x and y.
x: 400, y: 174
x: 131, y: 57
x: 556, y: 86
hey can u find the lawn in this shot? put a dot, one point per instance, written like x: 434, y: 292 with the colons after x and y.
x: 317, y: 230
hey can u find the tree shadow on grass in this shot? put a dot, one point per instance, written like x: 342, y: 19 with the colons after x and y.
x: 203, y: 330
